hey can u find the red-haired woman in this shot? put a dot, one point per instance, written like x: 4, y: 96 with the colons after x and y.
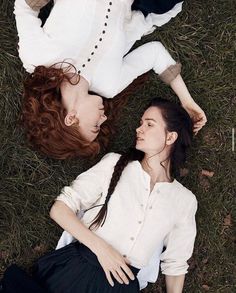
x: 132, y: 205
x: 61, y: 116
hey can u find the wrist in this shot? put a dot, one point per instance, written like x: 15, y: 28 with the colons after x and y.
x: 95, y: 244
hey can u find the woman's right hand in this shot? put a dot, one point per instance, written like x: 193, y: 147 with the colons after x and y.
x: 113, y: 263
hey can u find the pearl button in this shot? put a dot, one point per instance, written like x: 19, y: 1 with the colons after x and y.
x: 132, y: 238
x: 146, y: 189
x: 140, y: 222
x: 150, y: 207
x: 141, y: 205
x: 157, y: 191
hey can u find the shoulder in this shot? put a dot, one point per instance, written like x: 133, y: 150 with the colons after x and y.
x: 109, y: 160
x: 184, y: 195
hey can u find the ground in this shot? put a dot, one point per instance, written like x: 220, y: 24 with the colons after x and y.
x: 202, y: 37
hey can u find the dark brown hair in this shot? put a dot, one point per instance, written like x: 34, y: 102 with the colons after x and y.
x: 43, y: 115
x: 176, y: 119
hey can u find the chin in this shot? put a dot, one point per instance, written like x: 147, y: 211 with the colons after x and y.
x: 139, y: 147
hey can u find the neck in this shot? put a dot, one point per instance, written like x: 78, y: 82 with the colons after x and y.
x: 157, y: 167
x: 74, y: 93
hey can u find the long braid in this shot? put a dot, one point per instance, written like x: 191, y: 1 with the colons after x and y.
x: 118, y: 169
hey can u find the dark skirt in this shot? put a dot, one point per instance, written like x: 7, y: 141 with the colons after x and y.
x: 154, y: 6
x: 71, y: 269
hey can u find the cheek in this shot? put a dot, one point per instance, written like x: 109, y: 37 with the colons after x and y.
x: 156, y: 139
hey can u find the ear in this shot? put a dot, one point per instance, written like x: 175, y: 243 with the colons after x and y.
x: 171, y: 137
x: 70, y: 118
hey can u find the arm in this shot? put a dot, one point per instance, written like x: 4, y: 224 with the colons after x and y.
x: 83, y: 193
x: 110, y: 259
x: 174, y: 284
x: 195, y: 112
x: 179, y: 245
x: 35, y: 46
x: 153, y: 55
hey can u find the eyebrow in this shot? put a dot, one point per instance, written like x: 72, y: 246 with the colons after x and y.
x: 149, y: 119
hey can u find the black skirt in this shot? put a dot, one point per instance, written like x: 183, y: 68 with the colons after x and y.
x: 154, y: 6
x: 71, y: 269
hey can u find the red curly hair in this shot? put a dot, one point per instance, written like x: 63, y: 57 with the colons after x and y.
x: 43, y: 115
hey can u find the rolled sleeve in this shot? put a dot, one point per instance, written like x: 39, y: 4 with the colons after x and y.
x: 179, y: 243
x: 168, y: 75
x: 89, y: 186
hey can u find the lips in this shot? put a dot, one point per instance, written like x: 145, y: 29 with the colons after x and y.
x: 139, y: 138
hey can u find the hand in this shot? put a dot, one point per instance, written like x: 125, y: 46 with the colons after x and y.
x: 113, y: 263
x: 197, y: 115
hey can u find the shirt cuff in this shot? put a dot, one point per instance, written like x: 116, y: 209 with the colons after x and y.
x: 174, y: 268
x: 170, y: 73
x: 36, y: 5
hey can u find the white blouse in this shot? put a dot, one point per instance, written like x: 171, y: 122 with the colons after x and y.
x: 138, y: 221
x: 95, y: 36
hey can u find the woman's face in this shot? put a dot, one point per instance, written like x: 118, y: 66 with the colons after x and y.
x: 91, y: 116
x: 152, y: 133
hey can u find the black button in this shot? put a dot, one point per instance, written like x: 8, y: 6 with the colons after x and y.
x: 103, y: 32
x: 83, y: 65
x: 105, y: 24
x: 92, y: 53
x: 89, y: 59
x: 79, y: 72
x: 100, y: 39
x: 96, y: 47
x: 110, y: 3
x: 109, y: 10
x: 107, y: 16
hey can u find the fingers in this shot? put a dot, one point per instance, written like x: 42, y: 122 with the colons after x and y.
x: 128, y: 271
x: 120, y: 276
x: 109, y: 278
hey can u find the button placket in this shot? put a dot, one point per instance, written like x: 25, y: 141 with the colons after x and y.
x: 100, y: 38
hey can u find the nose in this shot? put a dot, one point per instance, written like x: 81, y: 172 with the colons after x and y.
x: 103, y: 118
x: 139, y: 129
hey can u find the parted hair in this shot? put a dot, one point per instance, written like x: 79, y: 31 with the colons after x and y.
x: 176, y: 119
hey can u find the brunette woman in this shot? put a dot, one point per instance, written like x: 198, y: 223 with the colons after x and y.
x: 61, y: 116
x: 132, y: 204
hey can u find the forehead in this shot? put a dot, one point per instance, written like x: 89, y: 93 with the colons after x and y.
x: 153, y: 113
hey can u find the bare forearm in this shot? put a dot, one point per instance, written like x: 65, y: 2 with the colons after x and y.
x: 174, y: 284
x: 181, y: 90
x: 68, y: 220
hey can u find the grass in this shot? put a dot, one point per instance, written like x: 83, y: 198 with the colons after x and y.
x: 202, y: 37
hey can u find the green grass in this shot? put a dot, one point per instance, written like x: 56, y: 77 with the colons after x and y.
x: 202, y: 37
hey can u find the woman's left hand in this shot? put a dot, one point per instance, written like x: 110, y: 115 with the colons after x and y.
x: 197, y: 115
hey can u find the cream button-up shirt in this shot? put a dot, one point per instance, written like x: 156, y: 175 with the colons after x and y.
x: 138, y: 221
x: 94, y: 36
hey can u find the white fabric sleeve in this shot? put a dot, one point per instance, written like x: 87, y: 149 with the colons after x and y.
x: 152, y: 55
x: 35, y: 46
x: 136, y: 25
x: 179, y: 243
x: 87, y: 188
